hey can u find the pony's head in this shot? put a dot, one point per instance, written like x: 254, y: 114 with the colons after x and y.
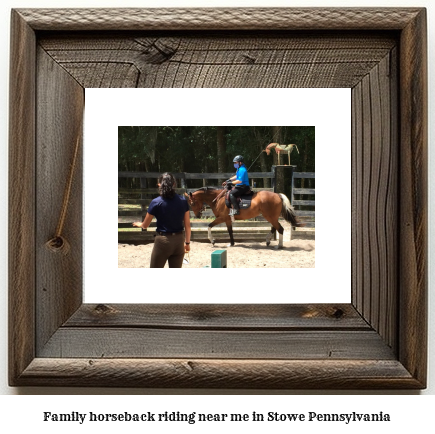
x: 196, y: 203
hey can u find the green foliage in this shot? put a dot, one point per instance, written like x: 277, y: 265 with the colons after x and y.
x: 194, y: 149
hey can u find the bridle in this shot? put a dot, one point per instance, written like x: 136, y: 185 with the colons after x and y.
x: 191, y: 201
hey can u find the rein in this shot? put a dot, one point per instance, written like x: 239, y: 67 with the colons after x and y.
x: 222, y: 193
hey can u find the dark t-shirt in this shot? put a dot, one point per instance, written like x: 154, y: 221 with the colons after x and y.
x: 169, y: 213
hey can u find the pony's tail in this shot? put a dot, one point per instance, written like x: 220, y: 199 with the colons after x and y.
x: 288, y: 212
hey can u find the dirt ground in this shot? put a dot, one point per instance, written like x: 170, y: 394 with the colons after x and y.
x: 297, y: 253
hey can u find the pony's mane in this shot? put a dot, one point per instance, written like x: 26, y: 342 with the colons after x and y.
x: 205, y: 189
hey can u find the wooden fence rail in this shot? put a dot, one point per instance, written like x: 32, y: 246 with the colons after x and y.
x: 308, y: 216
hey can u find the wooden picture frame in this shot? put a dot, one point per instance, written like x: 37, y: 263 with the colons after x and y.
x: 376, y: 342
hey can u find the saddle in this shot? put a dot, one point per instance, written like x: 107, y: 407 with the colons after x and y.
x: 244, y: 200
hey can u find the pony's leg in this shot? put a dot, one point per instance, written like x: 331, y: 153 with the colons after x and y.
x: 212, y: 240
x: 281, y: 237
x: 276, y: 226
x: 213, y: 223
x: 281, y: 241
x: 270, y: 235
x: 230, y: 232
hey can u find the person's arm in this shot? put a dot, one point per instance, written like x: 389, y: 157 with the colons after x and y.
x: 145, y: 223
x: 233, y: 179
x: 187, y: 230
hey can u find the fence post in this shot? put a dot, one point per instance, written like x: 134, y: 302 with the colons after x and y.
x: 183, y: 181
x: 273, y: 179
x: 293, y: 186
x: 284, y: 183
x: 143, y: 184
x: 284, y: 180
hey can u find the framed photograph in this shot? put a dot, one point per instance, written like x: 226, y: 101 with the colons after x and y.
x: 377, y: 341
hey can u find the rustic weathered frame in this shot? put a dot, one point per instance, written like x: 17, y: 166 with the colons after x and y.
x: 377, y: 341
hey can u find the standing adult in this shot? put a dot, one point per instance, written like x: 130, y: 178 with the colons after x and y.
x: 171, y: 211
x: 241, y: 183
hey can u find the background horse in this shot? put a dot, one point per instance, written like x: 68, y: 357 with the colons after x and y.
x: 270, y: 205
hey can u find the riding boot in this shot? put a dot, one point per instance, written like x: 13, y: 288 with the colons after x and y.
x: 236, y: 209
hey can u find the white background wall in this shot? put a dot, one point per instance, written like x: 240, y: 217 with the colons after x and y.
x: 10, y: 407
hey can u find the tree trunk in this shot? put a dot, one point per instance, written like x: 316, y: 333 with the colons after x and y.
x: 221, y: 151
x: 150, y: 146
x: 304, y: 161
x: 265, y: 168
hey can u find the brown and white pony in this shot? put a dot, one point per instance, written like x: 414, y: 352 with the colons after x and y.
x: 270, y: 205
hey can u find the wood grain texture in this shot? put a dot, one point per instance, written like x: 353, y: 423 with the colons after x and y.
x: 220, y: 18
x: 378, y: 342
x: 356, y: 200
x: 413, y: 189
x: 95, y: 342
x: 392, y: 226
x: 59, y: 277
x: 235, y: 60
x: 229, y: 374
x: 375, y: 198
x: 21, y: 197
x: 252, y: 317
